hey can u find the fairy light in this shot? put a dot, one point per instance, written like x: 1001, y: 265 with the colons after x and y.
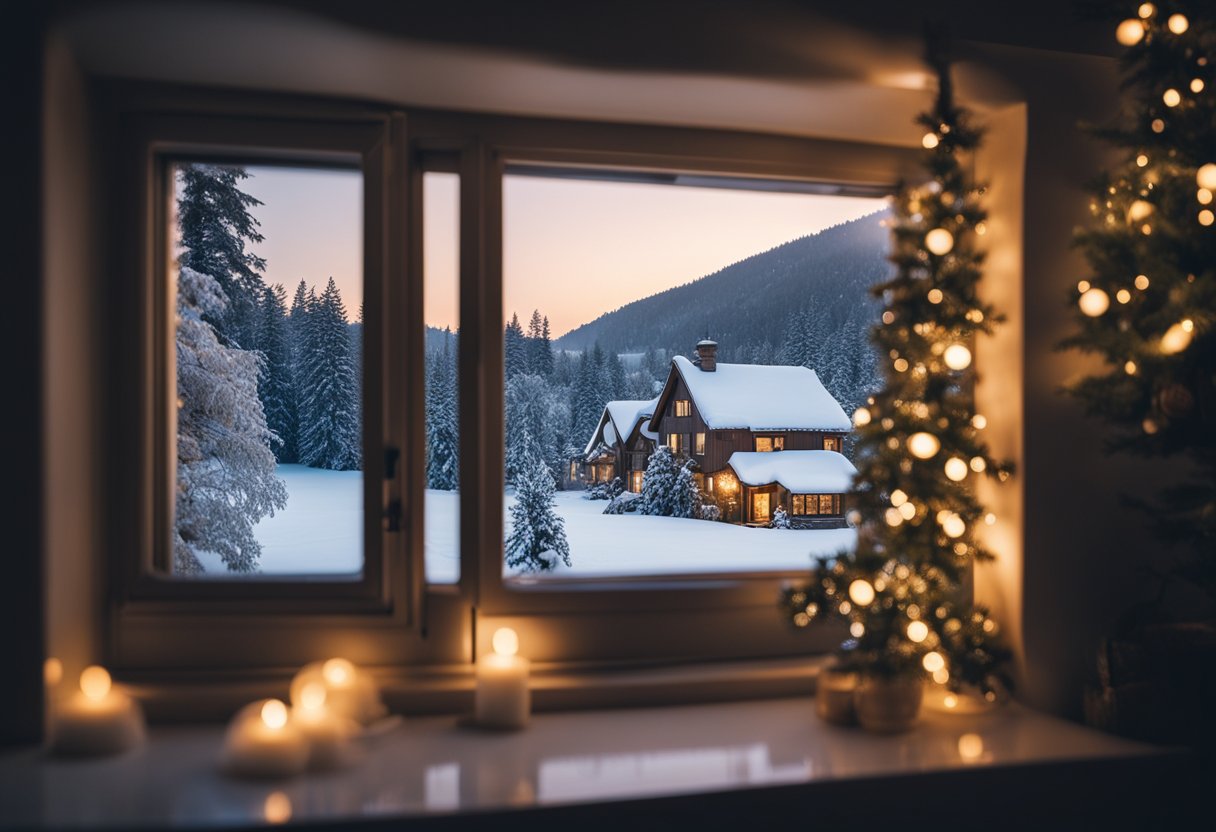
x: 956, y: 469
x: 1206, y: 217
x: 907, y: 510
x: 953, y: 525
x: 1123, y: 296
x: 978, y: 465
x: 1158, y: 125
x: 917, y: 631
x: 935, y: 296
x: 1205, y: 176
x: 1130, y: 368
x: 862, y: 592
x: 857, y: 629
x: 957, y: 357
x: 941, y: 676
x: 1146, y: 10
x: 898, y: 498
x: 1177, y: 338
x: 1139, y: 210
x: 933, y: 661
x: 1197, y: 85
x: 1141, y: 160
x: 923, y: 445
x: 900, y: 365
x: 1082, y: 286
x: 929, y: 141
x: 861, y: 417
x: 990, y: 519
x: 1178, y: 23
x: 1204, y: 196
x: 1171, y: 97
x: 979, y: 421
x: 893, y: 517
x: 1141, y: 282
x: 1094, y: 302
x: 939, y: 241
x: 1129, y: 32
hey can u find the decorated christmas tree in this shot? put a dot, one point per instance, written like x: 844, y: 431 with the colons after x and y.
x: 1148, y: 304
x: 920, y: 444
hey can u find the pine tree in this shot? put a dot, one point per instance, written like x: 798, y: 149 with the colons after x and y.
x: 920, y: 444
x: 616, y: 378
x: 515, y: 349
x: 587, y: 403
x: 225, y: 471
x: 330, y: 435
x: 686, y: 497
x: 543, y: 365
x: 537, y: 539
x: 529, y: 424
x: 215, y: 225
x: 1152, y: 248
x: 442, y: 434
x: 275, y: 382
x: 659, y: 483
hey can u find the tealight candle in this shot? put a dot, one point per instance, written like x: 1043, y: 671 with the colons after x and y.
x: 502, y: 698
x: 329, y: 734
x: 349, y: 691
x: 97, y: 719
x: 263, y: 741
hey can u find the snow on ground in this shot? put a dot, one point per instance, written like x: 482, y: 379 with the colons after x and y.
x: 320, y: 533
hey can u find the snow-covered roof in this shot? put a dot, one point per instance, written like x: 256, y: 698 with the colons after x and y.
x: 621, y: 418
x: 801, y: 472
x: 762, y: 397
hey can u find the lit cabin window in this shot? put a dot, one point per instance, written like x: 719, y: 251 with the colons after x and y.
x: 673, y: 442
x: 700, y: 446
x: 764, y: 444
x: 831, y: 443
x: 683, y: 407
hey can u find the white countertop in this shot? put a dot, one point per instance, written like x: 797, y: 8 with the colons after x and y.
x: 432, y: 766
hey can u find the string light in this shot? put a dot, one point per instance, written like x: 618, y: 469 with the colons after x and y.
x: 898, y: 498
x: 1178, y: 23
x: 1158, y: 125
x: 1146, y: 10
x: 1140, y: 209
x: 1177, y: 338
x: 941, y: 676
x: 1204, y: 196
x: 1171, y: 97
x: 1130, y: 368
x: 957, y: 357
x: 933, y: 661
x: 1206, y: 217
x: 1196, y: 85
x: 1083, y: 286
x: 857, y: 629
x: 1141, y: 282
x: 900, y: 365
x: 979, y: 421
x: 1123, y: 296
x: 907, y: 510
x: 929, y: 141
x: 935, y: 296
x: 953, y: 525
x: 893, y: 517
x: 1129, y: 32
x: 1094, y: 302
x: 923, y: 445
x: 981, y: 228
x: 939, y: 241
x: 956, y: 469
x: 990, y: 519
x: 978, y: 465
x: 862, y: 592
x: 1141, y: 160
x: 1205, y: 177
x: 918, y: 631
x: 861, y: 417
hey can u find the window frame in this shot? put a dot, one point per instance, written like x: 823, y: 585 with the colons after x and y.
x: 571, y: 622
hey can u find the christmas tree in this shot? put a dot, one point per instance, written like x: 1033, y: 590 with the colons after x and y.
x: 1148, y: 305
x: 919, y: 442
x: 538, y: 533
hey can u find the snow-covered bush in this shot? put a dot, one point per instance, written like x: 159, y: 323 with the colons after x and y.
x: 780, y: 520
x: 625, y: 503
x: 605, y: 490
x: 710, y: 511
x: 538, y: 533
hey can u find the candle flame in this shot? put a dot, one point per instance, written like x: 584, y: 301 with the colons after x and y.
x: 338, y: 671
x: 95, y: 682
x: 505, y: 641
x: 277, y: 808
x: 970, y: 746
x: 312, y: 696
x: 274, y: 714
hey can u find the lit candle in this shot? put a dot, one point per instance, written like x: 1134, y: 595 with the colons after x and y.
x: 97, y: 719
x: 263, y: 741
x: 329, y: 734
x: 502, y: 698
x: 349, y: 691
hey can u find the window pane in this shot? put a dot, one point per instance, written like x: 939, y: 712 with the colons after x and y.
x: 268, y: 291
x: 441, y: 266
x: 688, y: 319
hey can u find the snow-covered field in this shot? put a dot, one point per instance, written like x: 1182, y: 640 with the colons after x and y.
x: 319, y: 533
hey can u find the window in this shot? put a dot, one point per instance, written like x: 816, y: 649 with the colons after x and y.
x: 769, y: 443
x: 465, y: 236
x: 831, y: 443
x: 816, y: 504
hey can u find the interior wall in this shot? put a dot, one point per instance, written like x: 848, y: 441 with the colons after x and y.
x: 72, y: 396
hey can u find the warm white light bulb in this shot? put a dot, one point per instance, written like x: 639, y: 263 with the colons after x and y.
x: 970, y: 747
x: 907, y: 510
x: 1141, y: 282
x: 312, y: 696
x: 95, y: 682
x: 1146, y: 10
x: 893, y: 517
x: 939, y: 241
x: 1129, y: 32
x: 954, y: 526
x: 274, y: 714
x: 1171, y: 97
x: 957, y: 357
x: 338, y: 672
x: 1205, y: 177
x: 857, y: 629
x: 1176, y: 339
x: 505, y: 641
x: 978, y: 465
x: 1140, y: 209
x: 862, y: 592
x: 861, y: 417
x: 1206, y: 217
x: 918, y: 631
x: 898, y: 498
x: 1178, y: 23
x: 933, y: 661
x: 923, y: 445
x: 956, y: 469
x: 1094, y: 302
x: 979, y: 421
x: 929, y: 141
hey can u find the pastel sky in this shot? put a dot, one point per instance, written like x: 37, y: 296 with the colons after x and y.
x: 573, y: 249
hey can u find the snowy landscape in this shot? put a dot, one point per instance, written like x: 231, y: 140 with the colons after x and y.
x: 320, y: 533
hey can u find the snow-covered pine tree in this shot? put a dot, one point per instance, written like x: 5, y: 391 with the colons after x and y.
x: 226, y: 478
x: 214, y: 222
x: 515, y: 348
x: 275, y: 381
x: 659, y: 483
x: 543, y: 365
x: 529, y: 423
x: 686, y: 497
x: 537, y: 539
x: 330, y: 435
x: 781, y: 520
x: 616, y: 377
x: 586, y: 404
x: 442, y: 434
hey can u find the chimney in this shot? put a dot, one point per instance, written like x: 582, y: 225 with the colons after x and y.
x: 707, y: 355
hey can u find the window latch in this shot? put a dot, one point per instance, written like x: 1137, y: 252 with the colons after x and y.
x: 392, y: 516
x: 391, y: 455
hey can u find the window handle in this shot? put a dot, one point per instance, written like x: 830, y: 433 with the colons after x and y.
x: 391, y: 455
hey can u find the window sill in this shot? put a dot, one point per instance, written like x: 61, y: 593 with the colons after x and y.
x: 704, y: 766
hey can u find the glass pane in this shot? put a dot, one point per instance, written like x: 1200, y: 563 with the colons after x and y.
x: 639, y: 317
x: 268, y: 298
x: 441, y: 304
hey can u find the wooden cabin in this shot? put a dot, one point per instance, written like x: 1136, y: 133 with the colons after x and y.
x: 762, y: 436
x: 620, y: 447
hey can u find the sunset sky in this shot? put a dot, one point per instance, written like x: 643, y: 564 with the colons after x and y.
x: 572, y: 249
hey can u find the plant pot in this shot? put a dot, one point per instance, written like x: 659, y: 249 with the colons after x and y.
x: 888, y: 705
x: 834, y: 696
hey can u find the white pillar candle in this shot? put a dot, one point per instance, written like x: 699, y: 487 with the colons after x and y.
x: 329, y: 734
x: 502, y: 698
x: 349, y: 691
x: 97, y: 719
x: 263, y: 741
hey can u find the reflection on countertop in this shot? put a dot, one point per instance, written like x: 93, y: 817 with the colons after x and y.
x: 435, y: 765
